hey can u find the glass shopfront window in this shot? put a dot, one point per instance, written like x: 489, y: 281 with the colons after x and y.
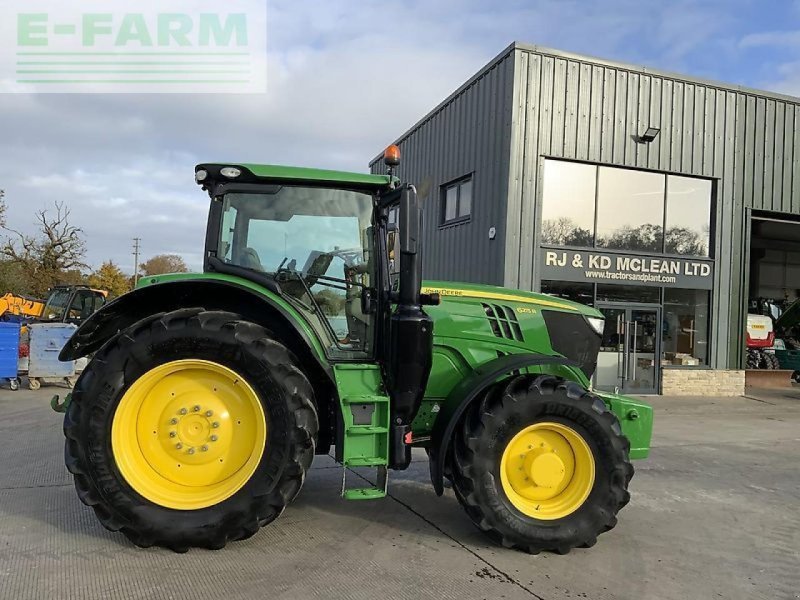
x: 688, y: 220
x: 568, y: 209
x: 630, y: 210
x: 633, y: 244
x: 685, y: 327
x: 609, y: 292
x: 591, y: 206
x: 583, y: 293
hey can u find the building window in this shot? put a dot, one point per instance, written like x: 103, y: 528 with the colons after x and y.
x: 457, y: 201
x: 591, y: 206
x: 630, y: 210
x: 568, y: 207
x: 688, y: 220
x: 685, y: 327
x: 582, y: 293
x: 611, y: 292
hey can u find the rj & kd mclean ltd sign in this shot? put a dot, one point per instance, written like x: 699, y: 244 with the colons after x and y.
x: 591, y: 266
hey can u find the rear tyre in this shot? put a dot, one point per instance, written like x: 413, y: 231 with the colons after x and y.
x: 190, y: 428
x: 541, y: 464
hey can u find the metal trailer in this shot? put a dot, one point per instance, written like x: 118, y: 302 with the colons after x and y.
x: 46, y: 341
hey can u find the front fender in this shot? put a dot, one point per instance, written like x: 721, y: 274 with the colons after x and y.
x: 470, y: 389
x: 635, y: 418
x: 212, y: 293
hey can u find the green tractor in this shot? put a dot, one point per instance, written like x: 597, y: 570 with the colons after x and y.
x: 209, y: 394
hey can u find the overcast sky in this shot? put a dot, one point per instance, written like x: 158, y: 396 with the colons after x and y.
x: 345, y: 78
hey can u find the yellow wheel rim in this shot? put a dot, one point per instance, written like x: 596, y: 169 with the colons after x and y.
x: 547, y: 471
x: 188, y: 434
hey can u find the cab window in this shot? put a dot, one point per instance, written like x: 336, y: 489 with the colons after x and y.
x: 317, y: 244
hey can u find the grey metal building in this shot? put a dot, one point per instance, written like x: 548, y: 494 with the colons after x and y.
x: 664, y: 200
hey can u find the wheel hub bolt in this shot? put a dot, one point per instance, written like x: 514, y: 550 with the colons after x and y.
x: 195, y: 408
x: 215, y: 425
x: 209, y: 413
x: 184, y: 411
x: 204, y: 448
x: 214, y: 438
x: 173, y: 421
x: 191, y: 450
x: 172, y: 434
x: 178, y: 445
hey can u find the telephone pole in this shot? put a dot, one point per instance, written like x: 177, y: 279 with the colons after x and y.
x: 136, y: 248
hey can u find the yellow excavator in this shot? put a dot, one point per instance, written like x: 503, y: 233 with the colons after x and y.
x: 65, y: 303
x: 19, y: 308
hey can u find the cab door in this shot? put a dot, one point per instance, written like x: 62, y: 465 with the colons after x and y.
x: 83, y: 305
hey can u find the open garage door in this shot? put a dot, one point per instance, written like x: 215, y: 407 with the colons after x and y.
x: 774, y: 260
x: 773, y: 336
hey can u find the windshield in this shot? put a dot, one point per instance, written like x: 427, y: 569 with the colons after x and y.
x: 84, y: 304
x: 317, y: 243
x: 56, y: 305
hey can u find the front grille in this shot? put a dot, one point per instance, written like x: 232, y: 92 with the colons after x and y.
x: 573, y: 337
x: 503, y: 321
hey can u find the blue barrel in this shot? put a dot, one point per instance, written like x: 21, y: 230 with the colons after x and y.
x: 9, y: 349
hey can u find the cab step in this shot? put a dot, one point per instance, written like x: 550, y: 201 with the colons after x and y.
x: 368, y: 492
x: 366, y: 461
x: 365, y: 428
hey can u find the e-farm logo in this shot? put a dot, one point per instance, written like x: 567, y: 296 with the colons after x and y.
x: 169, y: 46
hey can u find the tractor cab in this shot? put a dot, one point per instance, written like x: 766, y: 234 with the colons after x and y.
x: 316, y: 243
x: 72, y: 304
x: 322, y: 244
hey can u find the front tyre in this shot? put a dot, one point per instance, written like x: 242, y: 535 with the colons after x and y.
x: 190, y: 428
x: 771, y: 361
x: 541, y: 464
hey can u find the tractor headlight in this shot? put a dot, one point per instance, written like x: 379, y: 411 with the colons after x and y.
x: 200, y: 175
x: 597, y: 324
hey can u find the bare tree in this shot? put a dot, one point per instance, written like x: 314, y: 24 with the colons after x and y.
x: 56, y: 248
x: 565, y: 232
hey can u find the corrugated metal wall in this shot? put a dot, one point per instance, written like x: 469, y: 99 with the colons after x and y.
x: 467, y: 133
x: 582, y: 109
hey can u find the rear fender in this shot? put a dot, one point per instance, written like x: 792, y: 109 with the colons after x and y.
x: 257, y: 305
x: 469, y: 391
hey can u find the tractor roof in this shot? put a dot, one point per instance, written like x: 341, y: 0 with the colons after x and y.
x: 278, y: 173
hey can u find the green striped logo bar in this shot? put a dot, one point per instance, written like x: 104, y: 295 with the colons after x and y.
x: 169, y: 46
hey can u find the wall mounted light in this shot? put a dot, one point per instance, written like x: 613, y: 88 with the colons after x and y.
x: 649, y: 135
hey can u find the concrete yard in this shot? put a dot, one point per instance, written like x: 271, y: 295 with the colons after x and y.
x: 715, y: 514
